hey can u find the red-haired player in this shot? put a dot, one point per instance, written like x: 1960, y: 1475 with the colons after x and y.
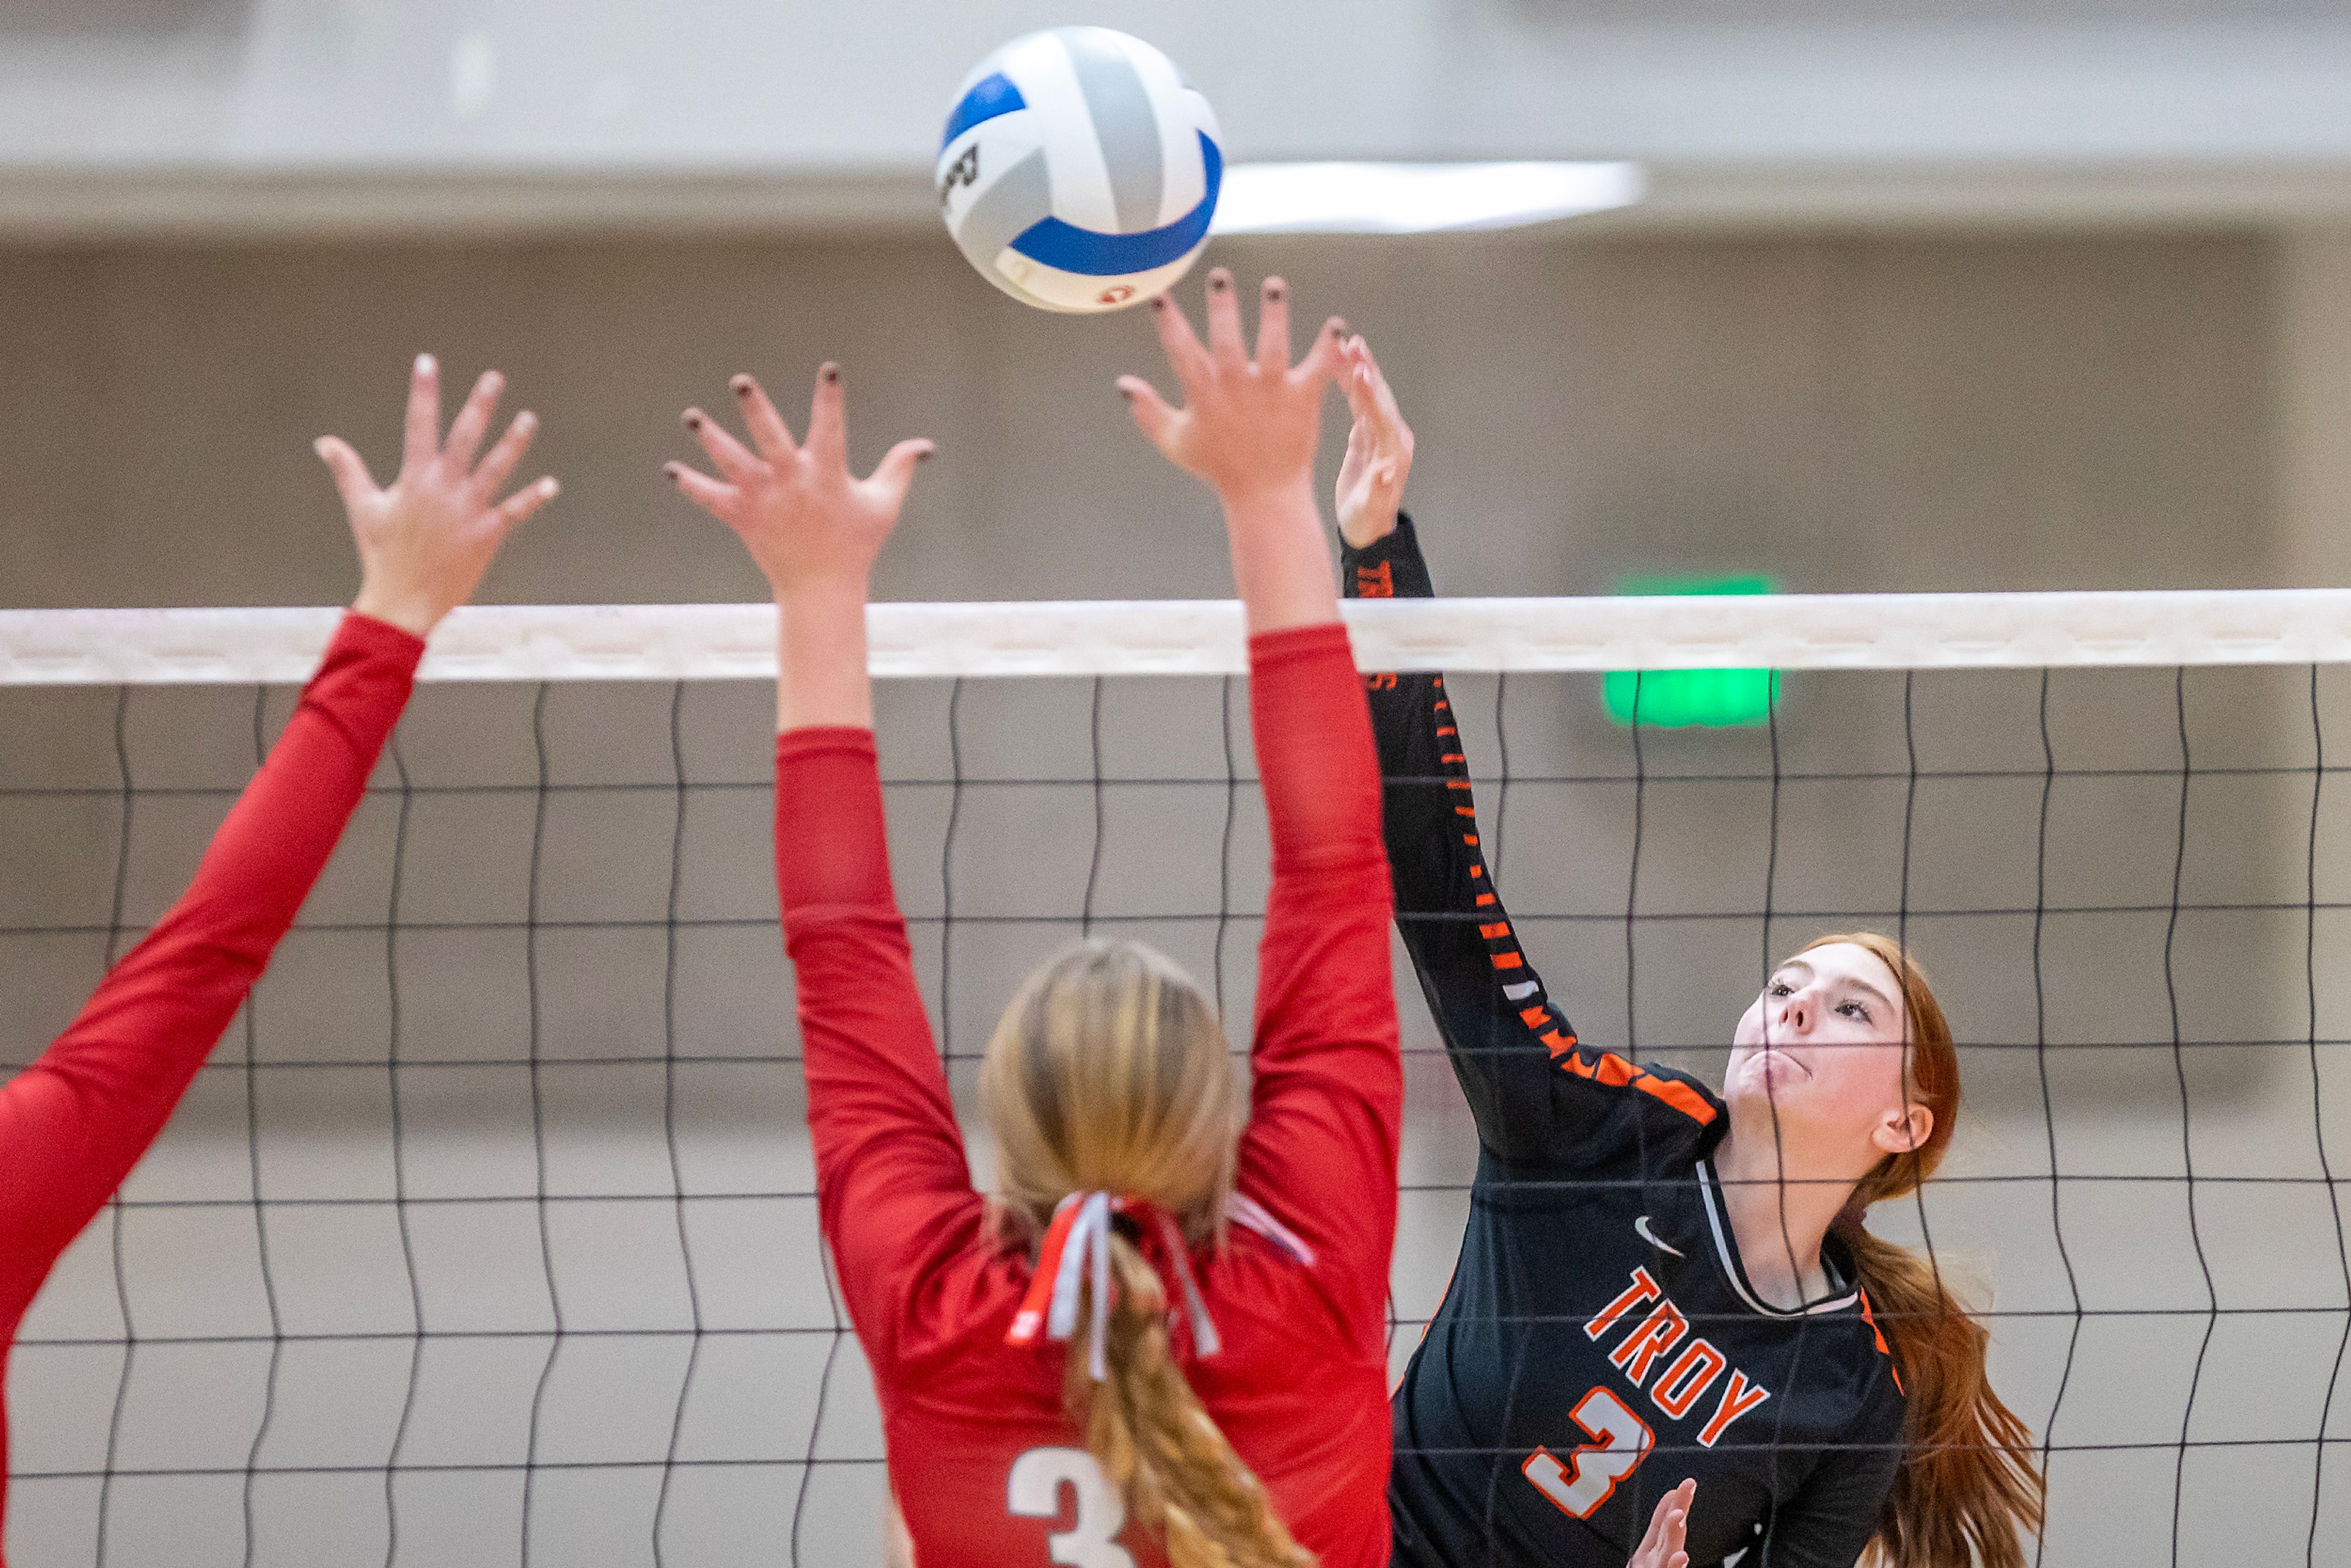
x: 1221, y: 1277
x: 74, y: 1123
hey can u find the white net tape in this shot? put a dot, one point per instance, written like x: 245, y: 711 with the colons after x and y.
x: 1204, y: 637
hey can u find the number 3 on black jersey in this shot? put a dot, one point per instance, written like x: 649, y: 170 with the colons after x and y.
x: 1620, y: 1441
x: 1033, y: 1490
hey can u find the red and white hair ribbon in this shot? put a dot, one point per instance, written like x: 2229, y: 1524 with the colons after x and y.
x: 1077, y: 1245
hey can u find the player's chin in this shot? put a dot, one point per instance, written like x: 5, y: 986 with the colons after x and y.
x: 1768, y: 1075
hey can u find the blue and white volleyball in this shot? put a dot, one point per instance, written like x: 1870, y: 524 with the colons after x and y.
x: 1079, y: 171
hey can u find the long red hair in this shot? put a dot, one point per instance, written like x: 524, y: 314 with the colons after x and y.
x: 1968, y: 1490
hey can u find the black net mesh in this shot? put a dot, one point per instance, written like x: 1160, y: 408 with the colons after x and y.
x: 489, y: 1236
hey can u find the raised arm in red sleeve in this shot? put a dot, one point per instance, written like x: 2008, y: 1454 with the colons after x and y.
x: 74, y: 1123
x: 1321, y: 1149
x: 893, y: 1186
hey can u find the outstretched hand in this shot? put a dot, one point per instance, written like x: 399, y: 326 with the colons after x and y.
x: 1379, y: 450
x: 1662, y: 1546
x: 1249, y: 421
x: 425, y: 539
x: 807, y: 521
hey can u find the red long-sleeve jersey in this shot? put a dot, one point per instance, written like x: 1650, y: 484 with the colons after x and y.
x: 986, y: 1464
x: 74, y: 1123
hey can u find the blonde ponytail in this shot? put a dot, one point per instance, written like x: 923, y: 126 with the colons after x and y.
x: 1967, y: 1490
x: 1157, y: 1443
x: 1109, y: 1073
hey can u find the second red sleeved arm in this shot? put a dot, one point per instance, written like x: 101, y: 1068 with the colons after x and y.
x: 1328, y: 1100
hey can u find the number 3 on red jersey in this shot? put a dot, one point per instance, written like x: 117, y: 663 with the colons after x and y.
x: 1620, y: 1441
x: 1033, y: 1490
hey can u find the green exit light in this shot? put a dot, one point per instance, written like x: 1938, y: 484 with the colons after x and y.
x: 1691, y: 699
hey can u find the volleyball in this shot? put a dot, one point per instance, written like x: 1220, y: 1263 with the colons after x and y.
x: 1079, y: 171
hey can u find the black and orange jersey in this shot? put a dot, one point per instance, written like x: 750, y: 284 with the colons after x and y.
x: 1600, y: 1340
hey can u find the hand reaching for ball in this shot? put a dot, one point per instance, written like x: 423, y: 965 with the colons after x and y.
x: 1249, y: 427
x: 808, y: 522
x: 1250, y: 422
x: 426, y: 538
x: 1379, y: 450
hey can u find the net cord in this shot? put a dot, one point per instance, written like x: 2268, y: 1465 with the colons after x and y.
x: 1206, y: 637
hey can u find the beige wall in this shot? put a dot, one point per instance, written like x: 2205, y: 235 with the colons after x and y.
x: 1847, y: 413
x: 2126, y: 411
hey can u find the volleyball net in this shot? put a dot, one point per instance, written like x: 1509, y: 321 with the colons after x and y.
x: 489, y: 1234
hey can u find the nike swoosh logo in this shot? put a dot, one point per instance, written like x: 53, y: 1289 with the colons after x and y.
x: 1641, y: 1228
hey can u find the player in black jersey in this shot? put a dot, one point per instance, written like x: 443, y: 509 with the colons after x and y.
x: 1658, y: 1284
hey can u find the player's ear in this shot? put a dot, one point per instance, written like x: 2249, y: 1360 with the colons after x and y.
x: 1903, y: 1129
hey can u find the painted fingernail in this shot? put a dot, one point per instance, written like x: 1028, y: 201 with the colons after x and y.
x: 526, y: 422
x: 830, y: 373
x: 1273, y: 288
x: 693, y: 418
x: 550, y: 488
x: 424, y: 365
x: 926, y: 453
x: 1220, y: 279
x: 672, y: 472
x: 742, y: 385
x: 1159, y: 302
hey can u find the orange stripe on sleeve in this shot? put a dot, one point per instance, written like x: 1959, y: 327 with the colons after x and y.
x: 1615, y: 1071
x: 1510, y: 961
x: 1679, y: 1096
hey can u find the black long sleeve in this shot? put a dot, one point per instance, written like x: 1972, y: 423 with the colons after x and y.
x: 1538, y: 1094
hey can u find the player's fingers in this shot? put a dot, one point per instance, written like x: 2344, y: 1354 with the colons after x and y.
x: 733, y: 460
x: 827, y: 427
x: 492, y: 474
x: 1224, y: 319
x: 1186, y: 357
x: 717, y: 499
x: 472, y: 421
x: 350, y: 474
x: 1273, y: 327
x: 1322, y: 360
x: 1381, y: 393
x: 894, y: 475
x: 1363, y: 404
x: 515, y: 508
x: 422, y: 440
x: 769, y: 437
x: 1152, y: 414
